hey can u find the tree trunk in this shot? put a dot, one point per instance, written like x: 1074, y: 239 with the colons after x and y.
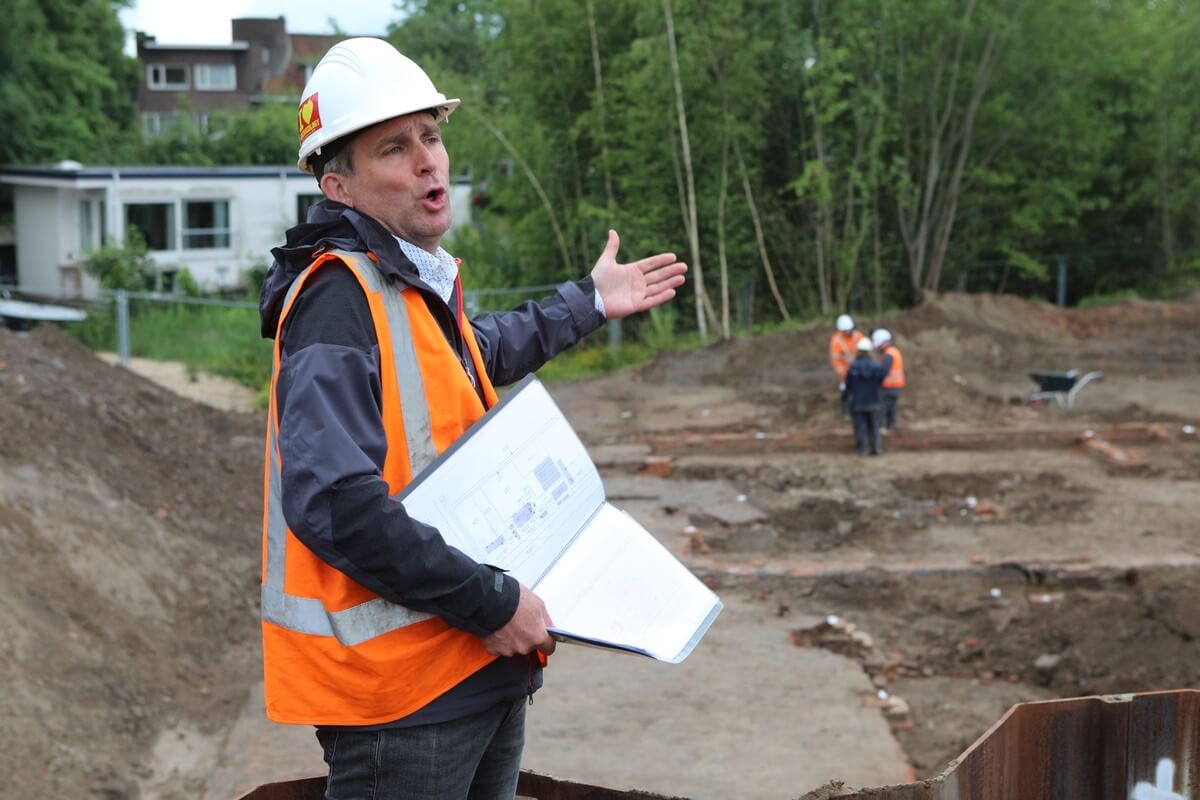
x: 693, y: 226
x: 758, y: 234
x: 537, y: 186
x: 878, y: 266
x: 602, y: 137
x: 725, y: 332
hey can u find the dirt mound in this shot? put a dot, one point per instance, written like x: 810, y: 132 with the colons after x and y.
x: 966, y: 356
x: 129, y: 526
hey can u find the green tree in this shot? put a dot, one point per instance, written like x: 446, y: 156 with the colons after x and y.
x: 123, y: 266
x: 66, y: 86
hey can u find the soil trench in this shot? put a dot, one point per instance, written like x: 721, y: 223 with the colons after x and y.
x: 882, y: 613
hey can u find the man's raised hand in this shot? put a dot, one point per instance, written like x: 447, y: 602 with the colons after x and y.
x: 629, y: 288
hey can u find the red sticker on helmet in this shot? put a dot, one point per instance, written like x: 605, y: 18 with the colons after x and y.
x: 308, y: 117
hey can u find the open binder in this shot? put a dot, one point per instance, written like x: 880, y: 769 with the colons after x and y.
x: 518, y: 491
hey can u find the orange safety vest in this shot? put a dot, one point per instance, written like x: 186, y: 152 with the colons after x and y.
x: 334, y: 653
x: 842, y: 351
x: 895, y: 376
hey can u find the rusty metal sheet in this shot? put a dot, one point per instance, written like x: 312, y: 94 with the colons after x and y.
x: 1117, y: 747
x: 529, y: 785
x: 543, y: 787
x: 301, y: 789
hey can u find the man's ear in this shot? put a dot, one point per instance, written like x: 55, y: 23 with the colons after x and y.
x: 336, y: 187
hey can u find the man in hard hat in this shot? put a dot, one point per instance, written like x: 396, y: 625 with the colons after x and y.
x: 413, y: 661
x: 863, y: 387
x: 895, y: 382
x: 841, y: 352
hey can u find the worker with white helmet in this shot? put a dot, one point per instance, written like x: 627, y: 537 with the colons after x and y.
x: 413, y: 660
x: 841, y: 352
x: 865, y: 395
x: 895, y: 381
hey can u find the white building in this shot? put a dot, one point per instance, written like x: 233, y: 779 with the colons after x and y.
x: 218, y: 222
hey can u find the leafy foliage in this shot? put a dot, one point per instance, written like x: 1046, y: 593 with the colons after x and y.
x: 125, y: 266
x: 844, y: 153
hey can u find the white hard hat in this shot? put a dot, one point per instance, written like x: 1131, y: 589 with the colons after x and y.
x: 864, y: 345
x: 881, y: 335
x: 845, y: 324
x: 360, y: 82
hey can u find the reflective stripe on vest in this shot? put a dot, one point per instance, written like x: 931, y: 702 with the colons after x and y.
x: 375, y: 617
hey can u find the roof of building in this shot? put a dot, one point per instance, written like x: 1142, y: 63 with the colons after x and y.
x: 72, y: 171
x: 150, y: 44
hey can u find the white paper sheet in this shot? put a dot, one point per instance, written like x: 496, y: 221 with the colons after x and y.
x: 618, y: 584
x: 520, y: 488
x: 520, y: 492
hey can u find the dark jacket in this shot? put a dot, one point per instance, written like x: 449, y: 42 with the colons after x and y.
x: 864, y: 382
x: 331, y: 438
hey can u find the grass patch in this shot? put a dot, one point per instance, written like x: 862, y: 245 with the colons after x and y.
x: 219, y: 340
x: 1124, y: 295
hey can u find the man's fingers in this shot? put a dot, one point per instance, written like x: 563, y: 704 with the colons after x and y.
x: 653, y: 262
x: 671, y: 276
x: 657, y: 299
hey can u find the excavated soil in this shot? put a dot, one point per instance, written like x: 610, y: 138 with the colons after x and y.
x: 129, y: 529
x: 129, y: 540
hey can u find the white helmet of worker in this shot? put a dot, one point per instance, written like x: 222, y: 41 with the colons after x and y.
x: 845, y: 323
x: 360, y: 82
x: 881, y: 336
x: 864, y: 345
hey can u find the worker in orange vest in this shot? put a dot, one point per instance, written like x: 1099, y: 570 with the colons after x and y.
x: 894, y: 382
x: 842, y: 348
x: 413, y: 660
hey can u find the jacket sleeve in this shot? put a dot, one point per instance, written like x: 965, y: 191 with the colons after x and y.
x: 332, y: 448
x: 518, y: 342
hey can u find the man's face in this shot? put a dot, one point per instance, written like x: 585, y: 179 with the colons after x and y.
x: 401, y: 178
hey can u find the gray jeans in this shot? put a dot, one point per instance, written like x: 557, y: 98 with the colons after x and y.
x: 476, y: 757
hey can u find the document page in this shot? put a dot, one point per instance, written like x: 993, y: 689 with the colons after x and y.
x: 515, y: 490
x: 618, y: 585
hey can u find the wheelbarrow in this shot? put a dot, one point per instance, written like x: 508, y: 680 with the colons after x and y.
x: 1061, y: 387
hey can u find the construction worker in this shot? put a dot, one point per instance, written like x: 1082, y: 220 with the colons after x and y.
x: 841, y: 353
x: 894, y: 382
x: 413, y: 661
x: 864, y: 389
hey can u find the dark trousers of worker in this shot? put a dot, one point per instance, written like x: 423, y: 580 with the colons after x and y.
x: 476, y: 757
x: 866, y: 432
x: 891, y: 415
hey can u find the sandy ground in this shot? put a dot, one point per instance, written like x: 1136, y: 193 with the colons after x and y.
x: 747, y: 715
x: 175, y: 376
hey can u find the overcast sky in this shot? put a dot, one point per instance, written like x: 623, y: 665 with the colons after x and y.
x: 207, y: 22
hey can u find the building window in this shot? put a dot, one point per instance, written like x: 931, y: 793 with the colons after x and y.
x: 155, y: 123
x: 215, y: 77
x: 206, y: 224
x: 85, y: 227
x: 308, y: 71
x: 303, y: 203
x: 156, y: 221
x: 91, y: 225
x: 167, y: 77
